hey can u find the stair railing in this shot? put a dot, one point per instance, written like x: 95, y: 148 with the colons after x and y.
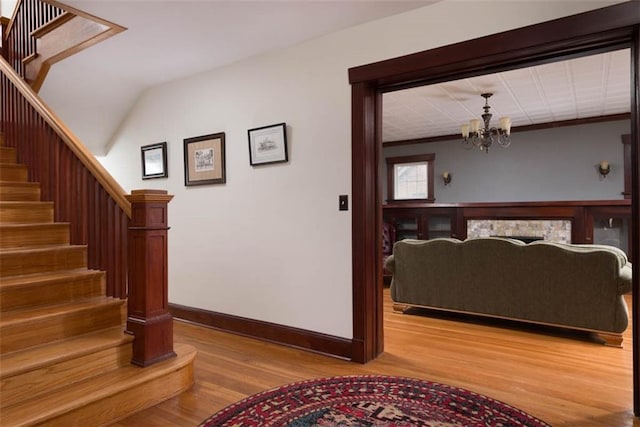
x: 120, y: 231
x: 28, y: 16
x: 84, y: 193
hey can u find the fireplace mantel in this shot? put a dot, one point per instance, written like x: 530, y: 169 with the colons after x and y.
x: 578, y: 216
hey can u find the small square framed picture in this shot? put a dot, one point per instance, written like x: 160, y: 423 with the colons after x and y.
x: 154, y: 161
x: 268, y: 144
x: 204, y: 160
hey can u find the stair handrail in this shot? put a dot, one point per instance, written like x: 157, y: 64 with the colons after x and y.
x: 12, y: 19
x: 105, y: 179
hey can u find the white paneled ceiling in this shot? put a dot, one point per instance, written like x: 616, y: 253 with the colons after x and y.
x: 590, y: 86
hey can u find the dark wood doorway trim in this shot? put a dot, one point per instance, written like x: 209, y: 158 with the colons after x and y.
x: 586, y: 33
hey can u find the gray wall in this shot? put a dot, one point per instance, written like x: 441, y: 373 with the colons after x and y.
x: 543, y: 165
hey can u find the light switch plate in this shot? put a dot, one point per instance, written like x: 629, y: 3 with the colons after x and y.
x: 343, y: 202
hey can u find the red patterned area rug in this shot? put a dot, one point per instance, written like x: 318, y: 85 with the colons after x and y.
x: 371, y: 401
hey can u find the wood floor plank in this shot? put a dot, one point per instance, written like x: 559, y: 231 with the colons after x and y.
x: 562, y: 377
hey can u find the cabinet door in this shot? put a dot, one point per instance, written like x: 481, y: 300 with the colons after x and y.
x: 407, y: 227
x: 438, y: 226
x: 610, y: 226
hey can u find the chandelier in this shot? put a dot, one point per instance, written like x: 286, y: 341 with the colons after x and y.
x: 474, y: 135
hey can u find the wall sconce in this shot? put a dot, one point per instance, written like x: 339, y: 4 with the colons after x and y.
x: 604, y: 168
x: 446, y: 178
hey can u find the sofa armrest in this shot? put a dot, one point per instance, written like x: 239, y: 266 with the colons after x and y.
x: 624, y: 283
x: 390, y: 264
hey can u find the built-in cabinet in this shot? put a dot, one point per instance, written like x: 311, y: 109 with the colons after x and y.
x: 609, y: 225
x: 421, y: 223
x: 605, y: 222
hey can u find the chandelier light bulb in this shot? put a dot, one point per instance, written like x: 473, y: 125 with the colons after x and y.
x: 505, y: 125
x: 479, y: 133
x: 465, y: 131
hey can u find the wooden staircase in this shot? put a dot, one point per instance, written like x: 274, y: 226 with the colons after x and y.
x: 65, y: 358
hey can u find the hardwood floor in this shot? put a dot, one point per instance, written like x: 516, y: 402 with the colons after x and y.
x: 560, y: 377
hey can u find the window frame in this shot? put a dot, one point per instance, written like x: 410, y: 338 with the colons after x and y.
x: 418, y: 158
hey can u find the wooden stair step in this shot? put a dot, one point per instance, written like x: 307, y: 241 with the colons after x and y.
x: 15, y: 262
x: 30, y: 235
x: 19, y: 191
x: 19, y: 212
x: 108, y: 397
x: 56, y: 22
x: 20, y: 329
x: 43, y: 369
x: 34, y: 290
x: 7, y: 155
x: 13, y: 172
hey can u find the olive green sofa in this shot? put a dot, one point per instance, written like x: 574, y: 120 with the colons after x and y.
x: 572, y: 286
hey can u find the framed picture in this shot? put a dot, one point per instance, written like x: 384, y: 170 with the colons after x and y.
x: 154, y: 161
x: 204, y: 160
x: 268, y: 144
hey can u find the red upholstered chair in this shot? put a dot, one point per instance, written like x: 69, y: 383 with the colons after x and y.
x: 388, y: 239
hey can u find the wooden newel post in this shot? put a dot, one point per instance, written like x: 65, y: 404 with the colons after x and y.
x: 148, y: 318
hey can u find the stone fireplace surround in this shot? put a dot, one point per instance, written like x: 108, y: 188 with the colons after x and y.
x: 555, y: 230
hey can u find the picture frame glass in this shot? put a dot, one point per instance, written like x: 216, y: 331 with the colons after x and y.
x: 268, y: 144
x: 154, y: 161
x: 204, y: 160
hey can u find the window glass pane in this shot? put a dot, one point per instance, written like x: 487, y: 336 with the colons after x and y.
x: 410, y: 180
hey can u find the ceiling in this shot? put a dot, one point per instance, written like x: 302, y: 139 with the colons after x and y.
x: 94, y: 90
x: 580, y: 88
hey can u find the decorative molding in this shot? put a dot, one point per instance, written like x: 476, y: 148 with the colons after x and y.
x: 526, y: 128
x: 265, y: 331
x: 366, y: 116
x: 551, y: 203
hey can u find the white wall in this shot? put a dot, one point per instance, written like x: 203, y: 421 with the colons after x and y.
x: 6, y: 7
x: 549, y: 164
x: 271, y: 244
